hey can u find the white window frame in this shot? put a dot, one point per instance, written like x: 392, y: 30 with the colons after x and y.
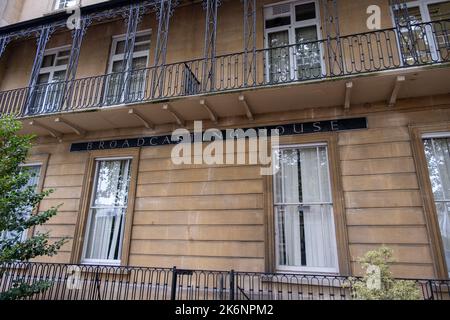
x: 36, y: 164
x: 64, y: 4
x: 425, y: 15
x: 113, y: 57
x: 297, y: 269
x: 291, y: 35
x: 89, y: 218
x: 51, y: 71
x: 437, y: 135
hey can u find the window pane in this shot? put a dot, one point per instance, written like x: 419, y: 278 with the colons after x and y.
x: 120, y: 48
x: 43, y: 78
x: 143, y: 38
x: 279, y: 66
x: 305, y: 12
x: 107, y: 214
x: 304, y: 213
x: 141, y: 47
x: 139, y: 63
x: 62, y: 61
x: 142, y: 43
x: 137, y: 79
x: 414, y: 42
x: 439, y: 11
x: 63, y: 54
x: 437, y: 152
x: 307, y: 53
x: 48, y: 61
x: 112, y: 183
x: 59, y: 76
x: 278, y: 22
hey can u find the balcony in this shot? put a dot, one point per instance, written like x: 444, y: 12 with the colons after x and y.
x: 90, y: 282
x: 354, y: 69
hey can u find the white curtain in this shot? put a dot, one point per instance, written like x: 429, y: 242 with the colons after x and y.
x: 319, y: 226
x: 290, y: 195
x: 108, y: 210
x: 306, y: 234
x: 437, y: 152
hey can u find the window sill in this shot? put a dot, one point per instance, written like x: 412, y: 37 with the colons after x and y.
x: 59, y: 11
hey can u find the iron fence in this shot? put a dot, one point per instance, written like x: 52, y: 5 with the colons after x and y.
x: 388, y: 49
x: 88, y: 282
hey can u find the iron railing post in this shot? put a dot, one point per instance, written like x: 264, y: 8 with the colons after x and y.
x: 97, y: 283
x: 173, y: 292
x: 430, y: 283
x: 232, y: 285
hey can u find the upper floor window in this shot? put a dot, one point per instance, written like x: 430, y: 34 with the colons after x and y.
x: 49, y: 90
x: 292, y: 31
x: 304, y: 219
x: 131, y: 85
x: 423, y: 42
x: 62, y: 4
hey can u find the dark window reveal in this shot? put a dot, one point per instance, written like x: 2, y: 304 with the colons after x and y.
x: 278, y: 22
x: 305, y: 12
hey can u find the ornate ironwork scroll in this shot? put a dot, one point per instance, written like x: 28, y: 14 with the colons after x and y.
x: 211, y: 7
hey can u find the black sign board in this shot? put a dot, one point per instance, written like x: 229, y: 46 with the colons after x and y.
x: 283, y: 130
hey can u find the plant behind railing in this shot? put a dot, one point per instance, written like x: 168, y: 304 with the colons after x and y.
x: 90, y: 282
x: 378, y: 282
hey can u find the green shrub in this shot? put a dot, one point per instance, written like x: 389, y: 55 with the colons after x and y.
x: 378, y: 282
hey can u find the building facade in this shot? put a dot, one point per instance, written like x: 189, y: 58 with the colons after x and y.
x: 358, y: 90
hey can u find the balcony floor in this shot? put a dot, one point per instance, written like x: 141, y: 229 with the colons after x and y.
x: 367, y: 88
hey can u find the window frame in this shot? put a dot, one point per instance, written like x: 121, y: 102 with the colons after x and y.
x: 113, y: 57
x: 425, y: 15
x: 283, y: 268
x: 79, y: 244
x: 35, y: 160
x: 418, y: 134
x: 291, y: 28
x: 29, y: 233
x: 341, y: 232
x: 85, y: 260
x: 57, y: 4
x: 51, y: 71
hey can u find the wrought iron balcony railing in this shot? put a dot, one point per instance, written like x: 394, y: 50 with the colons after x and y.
x: 83, y: 282
x: 388, y: 49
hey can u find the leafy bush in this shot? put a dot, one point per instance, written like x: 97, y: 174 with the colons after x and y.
x: 16, y: 198
x: 378, y: 282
